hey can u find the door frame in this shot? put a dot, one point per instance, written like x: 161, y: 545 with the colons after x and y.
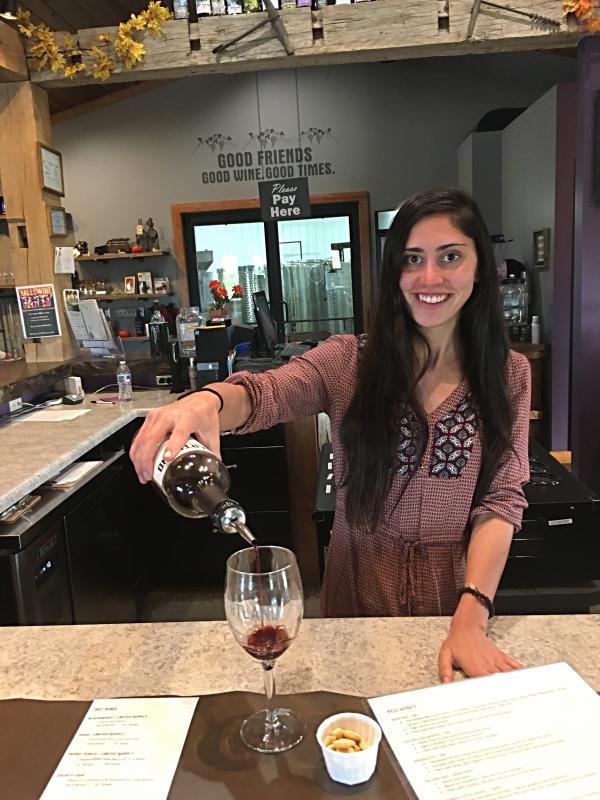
x: 178, y: 210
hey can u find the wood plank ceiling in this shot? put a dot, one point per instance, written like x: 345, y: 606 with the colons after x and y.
x: 72, y: 15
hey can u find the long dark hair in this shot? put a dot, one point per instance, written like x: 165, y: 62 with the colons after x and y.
x: 389, y: 368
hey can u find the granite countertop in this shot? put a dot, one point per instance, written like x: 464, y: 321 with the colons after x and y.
x: 33, y: 452
x: 364, y: 657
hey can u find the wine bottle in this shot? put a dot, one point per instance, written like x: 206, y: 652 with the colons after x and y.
x: 203, y: 8
x: 196, y: 483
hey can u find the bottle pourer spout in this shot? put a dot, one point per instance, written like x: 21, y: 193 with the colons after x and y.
x: 244, y: 532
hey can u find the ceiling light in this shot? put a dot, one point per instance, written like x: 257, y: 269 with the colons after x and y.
x: 8, y: 9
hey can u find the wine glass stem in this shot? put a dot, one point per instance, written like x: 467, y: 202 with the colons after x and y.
x: 269, y: 678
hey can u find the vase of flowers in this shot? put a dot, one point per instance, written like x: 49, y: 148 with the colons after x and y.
x: 222, y: 303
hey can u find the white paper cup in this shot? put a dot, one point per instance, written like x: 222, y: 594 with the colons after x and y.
x: 350, y: 768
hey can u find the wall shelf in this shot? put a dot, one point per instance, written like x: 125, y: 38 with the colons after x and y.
x: 134, y: 338
x: 122, y: 296
x: 123, y: 256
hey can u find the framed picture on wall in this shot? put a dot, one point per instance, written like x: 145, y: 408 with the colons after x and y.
x: 57, y: 221
x: 541, y: 248
x: 51, y: 170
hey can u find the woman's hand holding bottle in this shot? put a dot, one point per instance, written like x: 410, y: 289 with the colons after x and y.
x: 199, y: 414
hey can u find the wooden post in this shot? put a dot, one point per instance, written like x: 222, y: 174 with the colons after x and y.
x: 13, y: 64
x: 24, y: 122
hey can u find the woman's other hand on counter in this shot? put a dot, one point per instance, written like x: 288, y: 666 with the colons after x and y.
x: 468, y: 649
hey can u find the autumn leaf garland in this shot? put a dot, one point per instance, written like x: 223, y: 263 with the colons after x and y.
x: 48, y: 53
x: 584, y: 12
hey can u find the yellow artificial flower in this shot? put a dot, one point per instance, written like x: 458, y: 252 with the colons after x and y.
x: 102, y: 66
x: 155, y: 17
x: 129, y: 51
x: 24, y: 23
x: 71, y: 70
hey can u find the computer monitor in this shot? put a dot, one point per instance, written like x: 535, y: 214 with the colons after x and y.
x: 267, y: 326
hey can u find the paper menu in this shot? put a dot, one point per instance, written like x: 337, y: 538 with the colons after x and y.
x: 124, y: 749
x: 530, y: 734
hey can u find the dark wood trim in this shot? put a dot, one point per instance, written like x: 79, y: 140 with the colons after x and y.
x: 106, y: 100
x: 303, y: 467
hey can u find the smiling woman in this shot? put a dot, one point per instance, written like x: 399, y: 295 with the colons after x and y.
x: 429, y: 423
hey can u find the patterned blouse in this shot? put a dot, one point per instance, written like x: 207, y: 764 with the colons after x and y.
x: 413, y: 563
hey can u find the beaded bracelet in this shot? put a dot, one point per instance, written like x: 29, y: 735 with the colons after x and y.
x: 205, y: 389
x: 483, y: 598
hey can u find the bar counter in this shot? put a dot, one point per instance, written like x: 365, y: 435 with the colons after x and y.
x: 34, y: 452
x: 362, y: 657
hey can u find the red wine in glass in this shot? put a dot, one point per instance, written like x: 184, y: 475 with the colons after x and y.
x: 267, y: 642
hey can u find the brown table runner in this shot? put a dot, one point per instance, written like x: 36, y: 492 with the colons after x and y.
x: 214, y: 764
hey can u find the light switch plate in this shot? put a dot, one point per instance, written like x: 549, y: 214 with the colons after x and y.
x: 15, y: 405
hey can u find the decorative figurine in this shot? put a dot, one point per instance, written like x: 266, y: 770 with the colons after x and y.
x: 83, y: 248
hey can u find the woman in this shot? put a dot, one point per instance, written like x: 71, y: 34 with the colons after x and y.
x: 429, y: 418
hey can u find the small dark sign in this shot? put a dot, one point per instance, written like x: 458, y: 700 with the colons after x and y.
x: 37, y: 308
x: 284, y: 200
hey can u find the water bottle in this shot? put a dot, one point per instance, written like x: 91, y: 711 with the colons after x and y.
x: 535, y: 330
x: 187, y: 321
x: 124, y: 381
x: 195, y: 484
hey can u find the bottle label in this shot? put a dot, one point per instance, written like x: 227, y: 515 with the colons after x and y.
x: 124, y: 378
x: 160, y: 464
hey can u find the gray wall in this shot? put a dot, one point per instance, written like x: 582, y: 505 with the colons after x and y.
x: 479, y: 165
x: 528, y: 195
x: 395, y: 129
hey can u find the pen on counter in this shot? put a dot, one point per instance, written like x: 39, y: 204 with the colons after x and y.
x: 105, y: 402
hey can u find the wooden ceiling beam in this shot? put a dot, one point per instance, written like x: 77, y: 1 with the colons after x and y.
x: 388, y: 30
x: 13, y: 64
x: 106, y: 100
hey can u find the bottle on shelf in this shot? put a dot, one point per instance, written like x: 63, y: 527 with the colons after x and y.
x: 195, y: 484
x: 509, y: 291
x: 535, y: 329
x: 180, y: 9
x: 139, y: 232
x: 253, y: 6
x: 159, y: 333
x: 203, y: 8
x: 124, y: 382
x: 138, y: 322
x: 523, y: 298
x: 235, y: 6
x: 218, y: 7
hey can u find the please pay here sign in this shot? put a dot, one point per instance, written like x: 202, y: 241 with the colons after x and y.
x: 284, y: 200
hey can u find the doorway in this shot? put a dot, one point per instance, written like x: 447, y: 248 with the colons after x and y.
x: 315, y: 272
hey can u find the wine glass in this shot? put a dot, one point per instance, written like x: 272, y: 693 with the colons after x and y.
x: 264, y: 607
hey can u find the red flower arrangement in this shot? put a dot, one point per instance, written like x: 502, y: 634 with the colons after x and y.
x: 221, y: 295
